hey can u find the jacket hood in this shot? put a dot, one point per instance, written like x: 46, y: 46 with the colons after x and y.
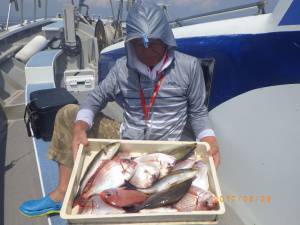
x: 147, y: 20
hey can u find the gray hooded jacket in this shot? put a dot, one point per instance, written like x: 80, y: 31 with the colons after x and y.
x: 181, y: 95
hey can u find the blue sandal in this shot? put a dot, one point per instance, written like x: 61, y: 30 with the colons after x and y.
x: 40, y: 207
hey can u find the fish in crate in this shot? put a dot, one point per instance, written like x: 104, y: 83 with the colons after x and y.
x: 117, y: 182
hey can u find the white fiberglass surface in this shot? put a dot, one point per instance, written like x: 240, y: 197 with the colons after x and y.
x: 258, y: 133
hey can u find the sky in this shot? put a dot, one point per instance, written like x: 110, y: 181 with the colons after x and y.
x: 176, y: 8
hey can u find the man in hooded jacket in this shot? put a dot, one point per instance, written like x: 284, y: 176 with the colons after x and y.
x: 160, y: 90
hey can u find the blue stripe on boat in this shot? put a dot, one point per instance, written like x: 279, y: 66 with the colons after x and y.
x: 243, y: 62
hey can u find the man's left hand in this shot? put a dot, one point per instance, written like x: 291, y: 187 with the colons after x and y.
x: 214, y: 149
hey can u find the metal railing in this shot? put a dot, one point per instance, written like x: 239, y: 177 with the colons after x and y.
x: 36, y: 3
x: 260, y: 5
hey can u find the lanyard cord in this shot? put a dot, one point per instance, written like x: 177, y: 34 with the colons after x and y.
x: 155, y: 92
x: 147, y: 109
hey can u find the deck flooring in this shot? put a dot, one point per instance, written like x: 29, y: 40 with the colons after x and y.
x: 20, y: 179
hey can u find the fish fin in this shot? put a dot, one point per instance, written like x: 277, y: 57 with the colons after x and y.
x: 131, y: 209
x: 78, y: 201
x: 187, y: 155
x: 129, y: 186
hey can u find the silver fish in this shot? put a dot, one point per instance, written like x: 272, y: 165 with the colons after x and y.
x: 185, y: 164
x: 106, y: 153
x: 113, y: 174
x: 129, y: 155
x: 197, y: 199
x: 163, y: 198
x: 164, y: 162
x: 201, y: 180
x: 181, y: 152
x: 145, y: 175
x: 95, y: 205
x: 170, y: 180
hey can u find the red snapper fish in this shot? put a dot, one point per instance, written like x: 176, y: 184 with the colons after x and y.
x: 121, y: 197
x: 197, y: 199
x: 95, y: 205
x: 106, y: 153
x: 113, y: 174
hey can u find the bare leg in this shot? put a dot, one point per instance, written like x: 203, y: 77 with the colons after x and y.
x: 64, y: 176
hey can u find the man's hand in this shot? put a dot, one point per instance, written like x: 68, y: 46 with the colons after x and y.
x: 79, y: 136
x: 214, y: 149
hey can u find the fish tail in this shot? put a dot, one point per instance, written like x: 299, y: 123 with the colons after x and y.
x: 78, y: 198
x: 76, y: 202
x: 80, y: 201
x: 129, y: 186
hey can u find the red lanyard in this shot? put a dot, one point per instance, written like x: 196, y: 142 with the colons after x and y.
x: 152, y: 99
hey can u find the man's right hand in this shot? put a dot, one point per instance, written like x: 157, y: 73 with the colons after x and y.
x: 79, y: 136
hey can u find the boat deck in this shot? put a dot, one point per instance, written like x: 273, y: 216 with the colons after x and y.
x: 19, y: 174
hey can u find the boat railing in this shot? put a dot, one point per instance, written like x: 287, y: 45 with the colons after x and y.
x: 260, y: 5
x: 21, y: 9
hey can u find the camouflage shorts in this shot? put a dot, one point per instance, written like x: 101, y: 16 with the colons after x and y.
x: 60, y: 149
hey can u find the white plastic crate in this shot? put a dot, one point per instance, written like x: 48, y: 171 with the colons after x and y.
x: 84, y: 158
